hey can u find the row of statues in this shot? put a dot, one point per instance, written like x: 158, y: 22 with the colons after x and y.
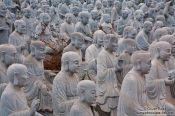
x: 87, y: 58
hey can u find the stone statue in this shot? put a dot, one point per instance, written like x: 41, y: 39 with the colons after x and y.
x: 82, y: 107
x: 107, y: 68
x: 107, y: 28
x: 159, y: 78
x: 116, y: 11
x: 13, y: 100
x: 106, y: 18
x: 8, y: 57
x: 93, y: 22
x: 4, y: 25
x: 143, y: 38
x: 65, y: 84
x: 67, y: 27
x: 83, y: 26
x: 158, y: 25
x: 75, y: 11
x: 123, y: 21
x: 19, y: 38
x: 133, y: 99
x: 93, y: 50
x: 37, y: 85
x: 77, y: 39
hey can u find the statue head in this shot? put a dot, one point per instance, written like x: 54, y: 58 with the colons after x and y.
x: 139, y: 15
x: 8, y: 54
x: 107, y: 18
x: 94, y: 14
x: 52, y: 11
x: 141, y: 61
x: 125, y: 14
x: 147, y: 26
x: 158, y: 24
x: 3, y: 9
x: 84, y: 17
x: 162, y: 51
x: 17, y: 74
x: 67, y: 2
x: 170, y: 39
x: 111, y: 42
x: 34, y: 3
x: 90, y: 7
x: 87, y: 92
x: 98, y: 38
x: 117, y: 5
x: 159, y: 33
x: 104, y: 3
x: 110, y: 3
x: 63, y: 11
x: 107, y: 28
x: 98, y: 5
x: 20, y: 26
x: 27, y: 12
x: 70, y: 62
x: 94, y: 26
x: 75, y: 10
x: 129, y: 46
x: 77, y: 39
x: 161, y: 18
x: 129, y: 32
x: 37, y: 50
x: 171, y: 10
x: 44, y: 2
x: 148, y: 2
x: 45, y: 19
x: 46, y: 9
x: 68, y: 18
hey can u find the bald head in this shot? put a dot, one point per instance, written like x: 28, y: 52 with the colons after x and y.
x: 84, y: 85
x: 7, y: 48
x: 70, y: 56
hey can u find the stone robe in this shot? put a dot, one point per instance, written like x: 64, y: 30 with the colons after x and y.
x: 20, y: 40
x: 67, y: 28
x: 64, y: 93
x: 4, y: 31
x: 92, y: 52
x: 80, y: 109
x: 107, y: 89
x: 14, y: 103
x: 132, y: 100
x: 34, y: 85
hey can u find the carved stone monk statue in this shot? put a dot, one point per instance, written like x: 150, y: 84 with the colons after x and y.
x: 159, y: 78
x: 93, y: 50
x: 77, y: 39
x: 67, y: 27
x: 7, y: 57
x: 107, y: 68
x: 83, y: 26
x: 143, y: 38
x: 37, y: 85
x: 19, y: 38
x: 4, y: 25
x: 133, y: 98
x: 87, y: 92
x: 65, y: 84
x: 13, y: 100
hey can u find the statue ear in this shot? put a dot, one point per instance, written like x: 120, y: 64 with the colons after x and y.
x: 2, y: 56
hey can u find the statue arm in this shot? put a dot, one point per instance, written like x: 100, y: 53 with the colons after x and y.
x: 142, y: 43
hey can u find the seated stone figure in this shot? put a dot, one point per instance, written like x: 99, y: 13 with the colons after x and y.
x: 4, y: 25
x: 77, y: 39
x: 87, y: 92
x: 7, y: 57
x: 83, y: 26
x: 13, y: 100
x: 107, y: 68
x: 93, y: 50
x: 132, y: 100
x: 159, y: 78
x: 67, y: 27
x: 143, y: 39
x: 19, y: 38
x: 37, y: 85
x: 65, y: 84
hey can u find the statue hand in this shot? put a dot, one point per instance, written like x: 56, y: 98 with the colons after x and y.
x: 34, y: 106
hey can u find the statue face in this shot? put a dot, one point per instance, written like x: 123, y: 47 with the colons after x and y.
x: 90, y: 95
x: 39, y: 52
x: 112, y: 45
x: 148, y: 2
x: 78, y: 43
x: 69, y: 19
x: 140, y: 16
x: 33, y: 3
x: 132, y: 34
x: 85, y: 20
x: 46, y: 20
x: 107, y: 30
x: 98, y: 6
x: 165, y: 53
x: 99, y: 41
x: 10, y: 57
x: 130, y: 49
x: 125, y: 15
x: 74, y: 65
x: 75, y: 11
x: 3, y: 10
x: 94, y: 27
x: 21, y: 28
x: 27, y: 13
x: 22, y: 77
x: 90, y: 7
x: 107, y: 19
x: 105, y: 3
x: 68, y: 2
x: 145, y: 65
x: 94, y: 15
x: 148, y: 28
